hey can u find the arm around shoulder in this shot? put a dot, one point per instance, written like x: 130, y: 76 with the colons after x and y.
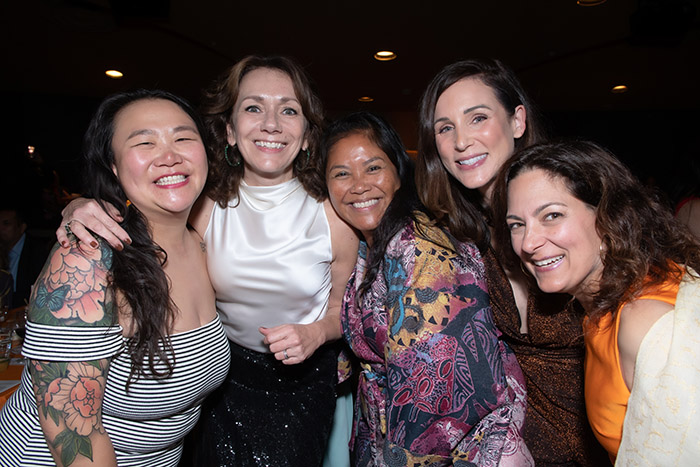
x: 82, y: 214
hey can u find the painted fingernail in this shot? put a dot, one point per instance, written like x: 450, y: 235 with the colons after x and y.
x: 93, y: 244
x: 128, y: 240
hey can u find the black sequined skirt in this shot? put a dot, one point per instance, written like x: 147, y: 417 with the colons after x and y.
x: 267, y: 413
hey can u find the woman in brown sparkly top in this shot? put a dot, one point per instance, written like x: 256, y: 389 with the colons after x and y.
x: 473, y: 115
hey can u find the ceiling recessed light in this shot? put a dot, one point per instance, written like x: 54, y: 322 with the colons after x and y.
x: 366, y: 99
x: 619, y: 89
x: 590, y: 2
x: 385, y: 55
x: 116, y: 74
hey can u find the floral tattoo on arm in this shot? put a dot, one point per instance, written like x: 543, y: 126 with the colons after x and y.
x: 70, y: 395
x: 72, y: 291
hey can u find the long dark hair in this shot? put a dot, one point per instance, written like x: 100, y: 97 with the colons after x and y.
x: 463, y: 211
x: 641, y: 239
x: 137, y: 271
x: 404, y: 205
x: 217, y: 106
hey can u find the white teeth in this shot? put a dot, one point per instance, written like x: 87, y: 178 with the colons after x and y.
x: 473, y: 160
x: 170, y: 180
x: 269, y: 144
x: 548, y: 261
x: 365, y: 204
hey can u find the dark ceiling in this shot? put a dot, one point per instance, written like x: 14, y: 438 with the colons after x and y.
x: 569, y: 56
x: 55, y: 53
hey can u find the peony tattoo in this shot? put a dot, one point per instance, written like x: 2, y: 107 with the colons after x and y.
x: 71, y: 394
x: 71, y: 289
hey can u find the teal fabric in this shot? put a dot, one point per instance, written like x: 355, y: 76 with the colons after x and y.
x: 338, y: 450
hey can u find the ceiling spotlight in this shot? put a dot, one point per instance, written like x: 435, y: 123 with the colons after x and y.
x: 619, y: 89
x: 590, y: 2
x: 115, y: 74
x: 366, y: 99
x: 385, y: 55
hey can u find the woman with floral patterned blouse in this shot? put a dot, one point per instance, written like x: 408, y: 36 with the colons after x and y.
x: 437, y: 385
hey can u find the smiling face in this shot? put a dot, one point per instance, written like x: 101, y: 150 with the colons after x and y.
x: 361, y: 182
x: 159, y: 157
x: 554, y: 234
x: 268, y: 126
x: 474, y: 133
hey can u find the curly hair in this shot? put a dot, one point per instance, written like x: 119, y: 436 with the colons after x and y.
x: 137, y: 270
x: 217, y: 107
x: 463, y: 211
x: 405, y: 203
x: 643, y: 243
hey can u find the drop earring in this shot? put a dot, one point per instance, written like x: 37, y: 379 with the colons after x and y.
x: 228, y: 161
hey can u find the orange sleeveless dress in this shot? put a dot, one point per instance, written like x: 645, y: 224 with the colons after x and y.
x: 605, y: 390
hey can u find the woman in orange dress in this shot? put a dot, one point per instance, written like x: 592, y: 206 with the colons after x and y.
x: 583, y: 225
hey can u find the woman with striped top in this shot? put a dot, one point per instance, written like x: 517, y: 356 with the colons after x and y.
x: 123, y: 345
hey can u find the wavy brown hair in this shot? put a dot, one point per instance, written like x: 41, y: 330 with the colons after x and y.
x: 463, y: 211
x: 642, y: 240
x: 217, y: 107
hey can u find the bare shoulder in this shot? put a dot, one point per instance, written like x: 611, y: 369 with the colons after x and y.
x: 344, y: 239
x: 689, y: 214
x: 636, y: 318
x: 72, y: 289
x: 200, y: 214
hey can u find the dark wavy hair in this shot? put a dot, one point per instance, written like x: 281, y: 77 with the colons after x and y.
x: 404, y: 205
x: 465, y: 212
x: 137, y: 270
x: 641, y: 239
x: 217, y: 107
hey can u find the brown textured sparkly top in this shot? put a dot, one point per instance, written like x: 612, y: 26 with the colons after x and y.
x: 551, y: 357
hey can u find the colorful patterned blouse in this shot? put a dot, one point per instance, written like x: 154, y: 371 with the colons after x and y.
x: 437, y: 385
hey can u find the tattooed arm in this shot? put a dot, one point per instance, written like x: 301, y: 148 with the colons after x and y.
x: 72, y: 291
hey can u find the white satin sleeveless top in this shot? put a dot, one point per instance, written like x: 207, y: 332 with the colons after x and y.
x: 269, y: 260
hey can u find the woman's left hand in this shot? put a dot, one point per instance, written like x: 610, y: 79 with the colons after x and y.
x: 293, y: 343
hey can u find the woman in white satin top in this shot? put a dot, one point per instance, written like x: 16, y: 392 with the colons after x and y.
x: 279, y: 259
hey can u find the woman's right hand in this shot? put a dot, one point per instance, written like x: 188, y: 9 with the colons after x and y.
x: 82, y: 214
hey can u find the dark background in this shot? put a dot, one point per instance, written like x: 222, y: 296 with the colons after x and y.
x: 55, y: 52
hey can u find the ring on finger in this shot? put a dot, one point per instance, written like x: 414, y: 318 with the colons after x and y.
x: 284, y: 352
x: 67, y: 226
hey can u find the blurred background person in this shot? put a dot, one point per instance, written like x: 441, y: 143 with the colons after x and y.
x: 26, y: 252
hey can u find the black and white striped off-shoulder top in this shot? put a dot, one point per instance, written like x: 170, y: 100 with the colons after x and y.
x: 146, y: 424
